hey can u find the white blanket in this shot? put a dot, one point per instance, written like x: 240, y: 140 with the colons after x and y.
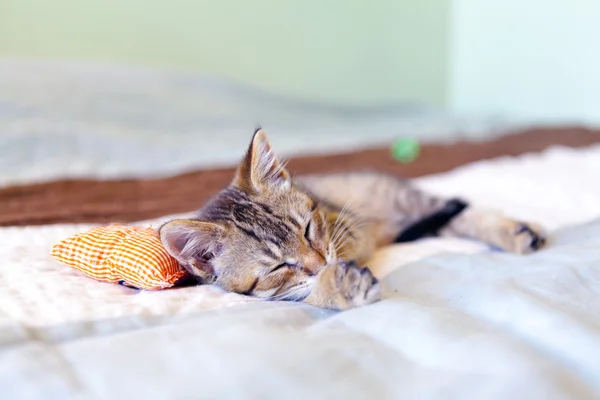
x: 457, y: 320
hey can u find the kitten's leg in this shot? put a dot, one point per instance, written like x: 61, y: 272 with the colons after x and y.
x: 497, y: 230
x: 451, y: 217
x: 391, y: 206
x: 343, y: 286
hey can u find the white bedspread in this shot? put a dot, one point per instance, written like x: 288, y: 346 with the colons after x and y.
x: 457, y: 320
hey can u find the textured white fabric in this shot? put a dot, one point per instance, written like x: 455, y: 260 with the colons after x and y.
x: 457, y: 320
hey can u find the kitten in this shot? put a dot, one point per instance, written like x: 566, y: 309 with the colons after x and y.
x: 304, y: 239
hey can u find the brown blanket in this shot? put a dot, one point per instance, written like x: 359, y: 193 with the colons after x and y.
x: 87, y: 200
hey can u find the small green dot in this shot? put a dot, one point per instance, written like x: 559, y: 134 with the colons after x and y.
x: 406, y: 150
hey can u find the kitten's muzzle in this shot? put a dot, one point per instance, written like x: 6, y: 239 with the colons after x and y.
x: 311, y: 262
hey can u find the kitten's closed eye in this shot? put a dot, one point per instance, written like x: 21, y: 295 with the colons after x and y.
x: 307, y: 232
x: 281, y: 266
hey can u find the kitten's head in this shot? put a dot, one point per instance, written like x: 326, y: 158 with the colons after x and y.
x: 263, y: 235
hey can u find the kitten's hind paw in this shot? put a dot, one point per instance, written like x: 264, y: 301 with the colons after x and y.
x: 523, y: 237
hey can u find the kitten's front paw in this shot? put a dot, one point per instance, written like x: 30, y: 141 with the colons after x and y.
x: 356, y: 285
x: 523, y: 237
x: 344, y: 285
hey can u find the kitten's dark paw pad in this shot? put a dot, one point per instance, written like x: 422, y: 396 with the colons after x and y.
x: 536, y: 235
x: 526, y: 238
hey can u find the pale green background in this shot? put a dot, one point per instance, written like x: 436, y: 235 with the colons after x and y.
x: 350, y: 51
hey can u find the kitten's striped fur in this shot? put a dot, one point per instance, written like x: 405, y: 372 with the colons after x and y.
x: 304, y: 239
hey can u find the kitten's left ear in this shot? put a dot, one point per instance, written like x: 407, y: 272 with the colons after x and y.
x: 193, y: 243
x: 260, y: 167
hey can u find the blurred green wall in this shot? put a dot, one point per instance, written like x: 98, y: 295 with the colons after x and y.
x: 350, y: 51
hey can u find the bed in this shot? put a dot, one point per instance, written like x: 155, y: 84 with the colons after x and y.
x: 458, y: 320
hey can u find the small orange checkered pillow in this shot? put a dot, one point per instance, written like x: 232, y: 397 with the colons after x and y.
x: 129, y: 255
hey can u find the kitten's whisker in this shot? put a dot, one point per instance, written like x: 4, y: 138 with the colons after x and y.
x: 348, y: 234
x: 342, y: 232
x: 339, y: 222
x: 336, y: 227
x: 345, y: 232
x: 345, y: 208
x: 346, y: 241
x: 353, y: 223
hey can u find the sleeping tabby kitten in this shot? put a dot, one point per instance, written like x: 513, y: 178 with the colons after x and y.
x: 304, y: 239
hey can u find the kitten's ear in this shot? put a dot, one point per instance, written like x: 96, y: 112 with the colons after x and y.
x: 260, y: 168
x: 193, y: 243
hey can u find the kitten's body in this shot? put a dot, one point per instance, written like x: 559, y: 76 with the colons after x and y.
x: 276, y: 238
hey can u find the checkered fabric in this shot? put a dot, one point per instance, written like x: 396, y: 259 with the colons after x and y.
x: 133, y: 256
